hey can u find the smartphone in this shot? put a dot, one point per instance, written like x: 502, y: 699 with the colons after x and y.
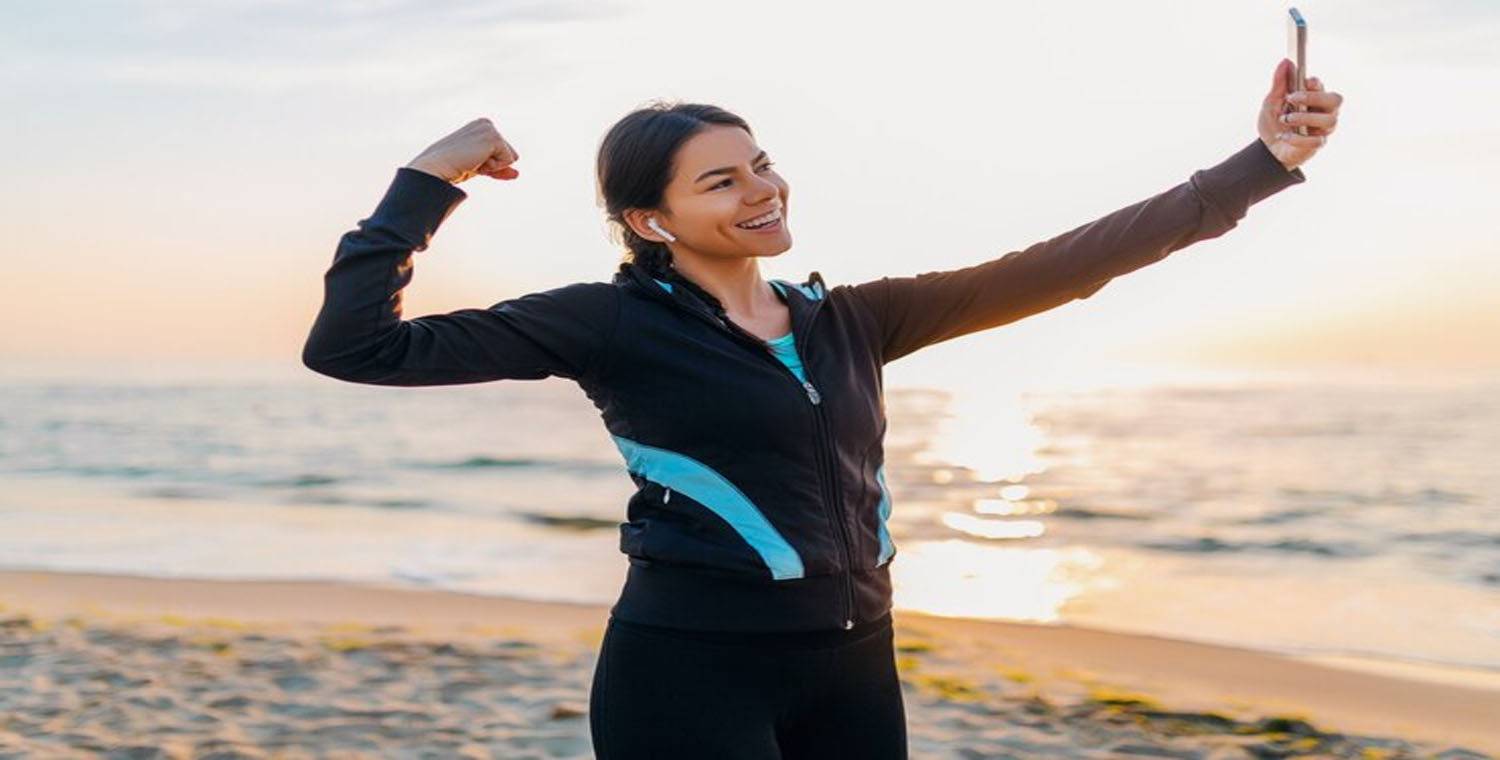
x: 1296, y: 50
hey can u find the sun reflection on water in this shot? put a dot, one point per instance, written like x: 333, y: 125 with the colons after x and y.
x: 962, y: 578
x: 989, y: 434
x: 983, y: 528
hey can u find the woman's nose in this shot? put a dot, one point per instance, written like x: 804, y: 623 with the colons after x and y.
x: 768, y: 189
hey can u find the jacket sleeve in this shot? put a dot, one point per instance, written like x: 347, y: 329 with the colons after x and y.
x: 918, y: 311
x: 359, y: 334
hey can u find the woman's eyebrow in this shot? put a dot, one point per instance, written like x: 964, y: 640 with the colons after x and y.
x: 726, y: 169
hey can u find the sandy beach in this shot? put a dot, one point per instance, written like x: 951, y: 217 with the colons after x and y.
x: 126, y: 667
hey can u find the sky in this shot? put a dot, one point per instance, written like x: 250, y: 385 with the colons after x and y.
x: 179, y: 173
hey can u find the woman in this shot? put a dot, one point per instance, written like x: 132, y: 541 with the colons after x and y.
x: 755, y: 617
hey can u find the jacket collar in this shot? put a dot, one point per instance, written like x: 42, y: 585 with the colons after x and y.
x: 803, y: 299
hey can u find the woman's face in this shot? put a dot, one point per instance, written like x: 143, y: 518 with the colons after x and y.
x: 722, y: 180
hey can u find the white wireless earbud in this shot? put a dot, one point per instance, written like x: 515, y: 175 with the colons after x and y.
x: 653, y: 225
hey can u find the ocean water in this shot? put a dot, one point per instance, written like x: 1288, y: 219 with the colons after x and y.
x: 1351, y: 516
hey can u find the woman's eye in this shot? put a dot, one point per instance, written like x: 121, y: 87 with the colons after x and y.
x: 720, y: 184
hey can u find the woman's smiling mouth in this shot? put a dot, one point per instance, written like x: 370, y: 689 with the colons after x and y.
x: 764, y: 222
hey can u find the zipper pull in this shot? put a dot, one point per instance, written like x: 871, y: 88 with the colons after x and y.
x: 668, y: 497
x: 812, y: 393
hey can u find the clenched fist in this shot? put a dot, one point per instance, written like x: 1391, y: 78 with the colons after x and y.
x: 475, y: 148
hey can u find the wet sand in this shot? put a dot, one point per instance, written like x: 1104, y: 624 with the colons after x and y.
x: 123, y: 667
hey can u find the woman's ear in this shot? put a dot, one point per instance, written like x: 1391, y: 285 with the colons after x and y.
x: 640, y: 220
x: 636, y: 220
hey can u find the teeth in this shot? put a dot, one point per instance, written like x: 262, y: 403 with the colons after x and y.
x: 761, y: 221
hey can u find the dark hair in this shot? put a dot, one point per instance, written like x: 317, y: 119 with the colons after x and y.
x: 636, y: 160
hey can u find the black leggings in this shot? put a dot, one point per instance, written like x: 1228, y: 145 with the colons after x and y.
x: 667, y: 693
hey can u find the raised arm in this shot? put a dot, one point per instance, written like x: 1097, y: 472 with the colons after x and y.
x: 360, y: 336
x: 912, y: 312
x: 918, y: 311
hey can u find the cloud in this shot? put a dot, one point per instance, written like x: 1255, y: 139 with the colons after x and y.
x: 1437, y: 32
x: 277, y: 45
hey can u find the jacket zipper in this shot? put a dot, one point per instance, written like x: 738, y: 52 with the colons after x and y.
x: 827, y: 472
x: 834, y: 504
x: 825, y: 463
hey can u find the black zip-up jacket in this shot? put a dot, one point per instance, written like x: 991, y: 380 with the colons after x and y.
x: 761, y: 501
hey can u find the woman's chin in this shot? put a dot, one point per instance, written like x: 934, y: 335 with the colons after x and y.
x: 782, y: 245
x: 774, y: 241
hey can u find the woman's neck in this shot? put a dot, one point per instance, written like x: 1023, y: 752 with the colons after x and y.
x: 737, y: 283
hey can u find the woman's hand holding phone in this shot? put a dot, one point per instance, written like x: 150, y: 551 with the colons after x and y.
x: 1279, y: 117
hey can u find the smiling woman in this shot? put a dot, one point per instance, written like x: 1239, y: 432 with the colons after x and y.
x: 755, y: 617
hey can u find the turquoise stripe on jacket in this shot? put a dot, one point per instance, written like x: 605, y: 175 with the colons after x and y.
x: 706, y: 486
